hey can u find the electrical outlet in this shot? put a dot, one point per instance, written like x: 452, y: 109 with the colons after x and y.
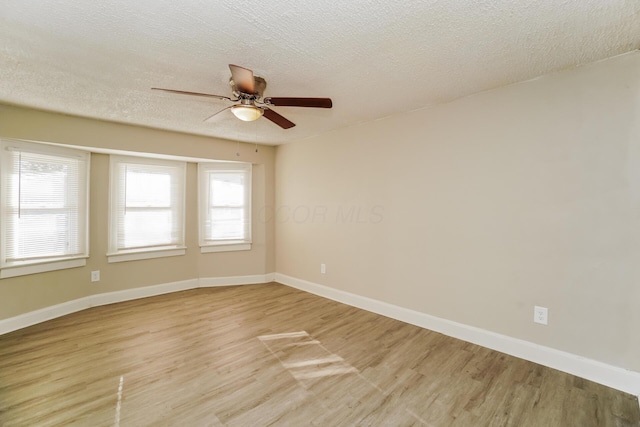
x: 95, y: 276
x: 540, y: 315
x: 323, y: 268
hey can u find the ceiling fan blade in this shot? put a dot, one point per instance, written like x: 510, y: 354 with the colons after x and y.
x: 300, y: 102
x: 277, y: 119
x: 243, y: 78
x: 215, y: 114
x: 182, y: 92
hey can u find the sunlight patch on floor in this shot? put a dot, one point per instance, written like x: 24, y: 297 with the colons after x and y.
x: 304, y: 357
x: 116, y: 421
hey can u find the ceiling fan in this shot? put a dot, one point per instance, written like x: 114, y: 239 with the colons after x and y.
x: 248, y: 90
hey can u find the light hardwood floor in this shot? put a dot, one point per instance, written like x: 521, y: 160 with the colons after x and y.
x: 271, y: 355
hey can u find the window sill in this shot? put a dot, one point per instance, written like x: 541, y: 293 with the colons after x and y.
x: 136, y: 255
x: 225, y: 248
x: 43, y: 267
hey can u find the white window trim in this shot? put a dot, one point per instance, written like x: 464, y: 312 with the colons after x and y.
x: 229, y: 247
x: 115, y: 255
x: 58, y: 263
x: 42, y: 267
x: 208, y: 246
x: 135, y: 255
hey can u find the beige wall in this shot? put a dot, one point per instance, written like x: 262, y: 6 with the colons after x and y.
x: 477, y: 210
x: 27, y: 293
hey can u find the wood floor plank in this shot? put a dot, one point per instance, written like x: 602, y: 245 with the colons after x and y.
x: 270, y: 355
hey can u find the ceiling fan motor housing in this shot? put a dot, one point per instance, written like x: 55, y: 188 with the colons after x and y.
x: 260, y: 85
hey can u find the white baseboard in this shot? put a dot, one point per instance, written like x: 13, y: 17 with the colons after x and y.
x: 143, y: 292
x: 59, y: 310
x: 42, y: 315
x: 206, y: 282
x: 611, y: 376
x: 38, y: 316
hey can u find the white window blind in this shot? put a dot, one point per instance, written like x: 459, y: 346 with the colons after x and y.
x: 44, y: 193
x: 147, y: 204
x: 225, y: 203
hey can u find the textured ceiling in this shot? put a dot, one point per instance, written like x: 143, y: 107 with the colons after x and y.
x: 373, y: 58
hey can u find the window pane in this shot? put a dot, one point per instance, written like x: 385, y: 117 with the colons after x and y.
x: 224, y: 202
x: 147, y: 228
x: 43, y: 234
x: 145, y: 189
x: 45, y: 204
x: 147, y: 203
x: 227, y: 189
x: 227, y: 223
x: 42, y: 185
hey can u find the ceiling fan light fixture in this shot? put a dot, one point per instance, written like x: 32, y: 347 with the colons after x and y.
x: 247, y: 113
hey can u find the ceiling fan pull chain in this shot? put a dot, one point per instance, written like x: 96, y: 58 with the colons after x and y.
x: 255, y: 128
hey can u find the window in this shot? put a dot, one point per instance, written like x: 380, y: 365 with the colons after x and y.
x: 225, y: 206
x: 44, y: 198
x: 147, y: 208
